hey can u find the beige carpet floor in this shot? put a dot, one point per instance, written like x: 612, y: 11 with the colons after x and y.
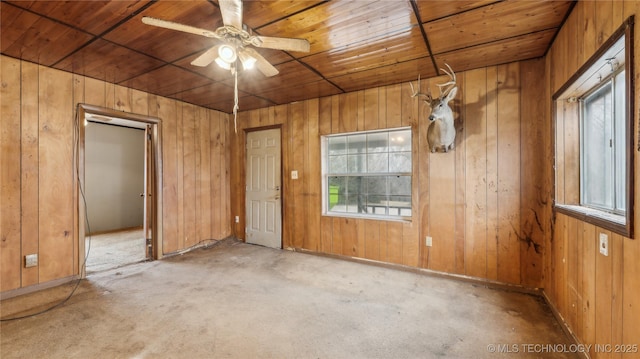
x: 114, y: 249
x: 235, y: 300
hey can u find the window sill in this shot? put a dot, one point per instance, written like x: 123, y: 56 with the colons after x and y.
x: 374, y: 218
x: 613, y: 222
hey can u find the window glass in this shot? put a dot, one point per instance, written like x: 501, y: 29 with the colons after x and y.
x: 338, y: 164
x: 598, y: 150
x: 400, y: 141
x: 603, y: 154
x: 368, y: 173
x: 378, y: 142
x: 357, y: 143
x: 378, y: 162
x: 337, y: 145
x: 356, y: 163
x: 400, y: 162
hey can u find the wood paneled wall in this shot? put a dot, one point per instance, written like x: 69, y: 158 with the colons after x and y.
x: 195, y: 174
x: 483, y: 203
x: 597, y: 296
x: 37, y: 182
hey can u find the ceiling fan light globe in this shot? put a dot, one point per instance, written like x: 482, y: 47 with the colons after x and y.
x: 249, y: 64
x: 227, y: 53
x: 248, y: 61
x: 225, y: 65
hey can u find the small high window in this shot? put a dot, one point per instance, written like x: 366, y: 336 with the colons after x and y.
x: 367, y: 174
x: 594, y: 138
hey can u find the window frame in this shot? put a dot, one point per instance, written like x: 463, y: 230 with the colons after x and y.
x: 621, y: 224
x: 324, y: 157
x: 607, y: 84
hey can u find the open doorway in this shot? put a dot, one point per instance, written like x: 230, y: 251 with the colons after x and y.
x: 114, y: 193
x: 118, y: 174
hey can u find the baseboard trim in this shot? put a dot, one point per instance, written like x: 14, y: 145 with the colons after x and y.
x: 109, y: 231
x: 37, y: 287
x: 459, y: 277
x: 207, y: 243
x: 563, y: 324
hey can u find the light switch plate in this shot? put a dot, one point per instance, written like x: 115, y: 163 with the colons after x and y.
x: 604, y: 244
x: 429, y: 241
x: 30, y: 260
x: 294, y: 174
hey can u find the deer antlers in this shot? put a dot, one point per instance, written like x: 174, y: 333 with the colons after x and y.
x: 417, y: 93
x: 449, y: 85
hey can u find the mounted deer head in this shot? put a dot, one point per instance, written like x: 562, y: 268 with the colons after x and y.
x: 441, y: 133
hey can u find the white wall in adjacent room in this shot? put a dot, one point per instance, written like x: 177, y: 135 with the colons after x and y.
x: 114, y: 177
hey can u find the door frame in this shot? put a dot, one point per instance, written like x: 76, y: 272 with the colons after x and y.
x: 282, y: 180
x: 154, y: 178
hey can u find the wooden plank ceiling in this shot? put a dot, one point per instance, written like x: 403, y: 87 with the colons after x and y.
x: 355, y: 44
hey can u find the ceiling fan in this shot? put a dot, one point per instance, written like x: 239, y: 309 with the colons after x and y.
x: 236, y: 41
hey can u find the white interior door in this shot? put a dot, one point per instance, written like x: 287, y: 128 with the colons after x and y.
x: 263, y: 195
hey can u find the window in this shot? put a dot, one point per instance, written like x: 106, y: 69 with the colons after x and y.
x: 368, y: 174
x: 603, y: 157
x: 594, y: 137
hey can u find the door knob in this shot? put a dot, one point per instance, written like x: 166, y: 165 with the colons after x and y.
x: 141, y: 194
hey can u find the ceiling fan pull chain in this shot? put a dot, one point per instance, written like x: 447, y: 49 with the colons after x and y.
x: 235, y: 101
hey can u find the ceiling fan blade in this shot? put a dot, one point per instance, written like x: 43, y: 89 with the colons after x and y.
x: 263, y: 65
x: 231, y: 13
x: 281, y: 43
x: 179, y: 27
x: 207, y: 57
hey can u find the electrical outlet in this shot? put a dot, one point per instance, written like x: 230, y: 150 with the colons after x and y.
x: 604, y: 244
x: 429, y: 241
x: 237, y: 219
x: 30, y: 260
x: 294, y: 174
